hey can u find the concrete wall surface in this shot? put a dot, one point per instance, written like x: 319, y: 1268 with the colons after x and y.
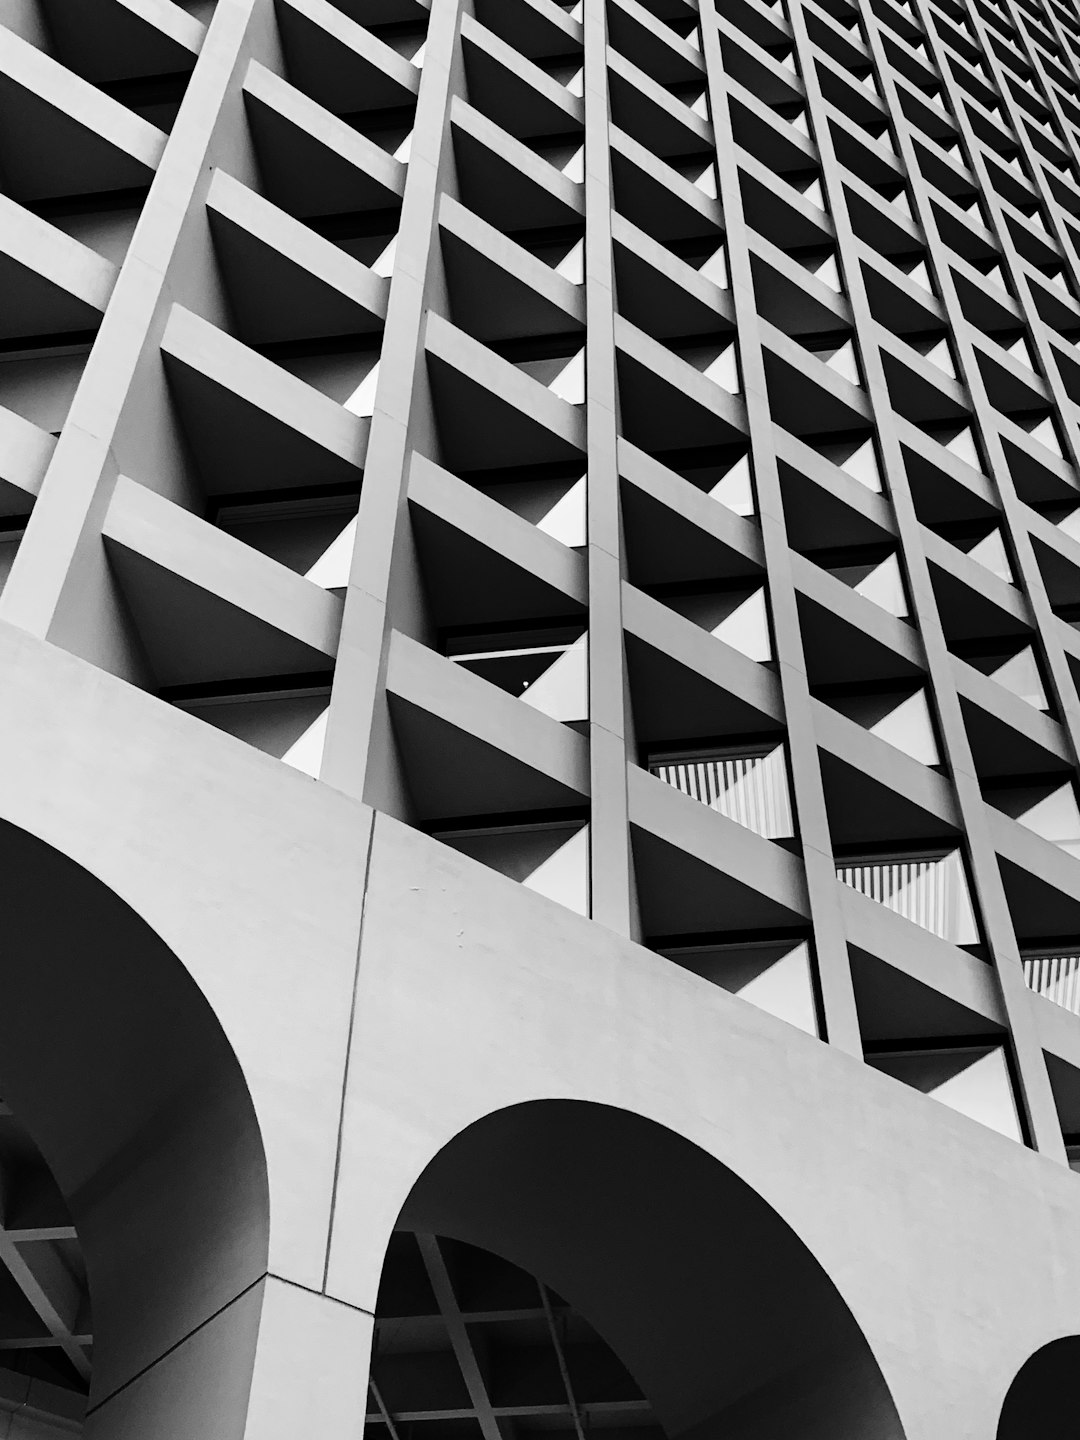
x: 956, y: 1250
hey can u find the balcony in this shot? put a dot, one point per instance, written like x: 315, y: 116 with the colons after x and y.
x: 749, y: 786
x: 929, y: 888
x: 1054, y: 976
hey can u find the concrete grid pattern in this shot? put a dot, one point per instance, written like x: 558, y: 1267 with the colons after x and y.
x: 535, y: 420
x: 441, y: 1300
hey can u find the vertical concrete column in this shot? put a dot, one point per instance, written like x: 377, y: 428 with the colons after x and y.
x: 54, y: 572
x: 311, y: 1367
x: 353, y: 760
x: 611, y: 863
x: 277, y: 1363
x: 833, y: 966
x: 1034, y: 1095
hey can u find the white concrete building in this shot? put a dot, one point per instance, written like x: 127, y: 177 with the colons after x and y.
x: 538, y: 719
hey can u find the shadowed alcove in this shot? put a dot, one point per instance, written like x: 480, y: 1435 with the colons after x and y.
x: 133, y: 1194
x: 566, y: 1267
x: 1042, y: 1398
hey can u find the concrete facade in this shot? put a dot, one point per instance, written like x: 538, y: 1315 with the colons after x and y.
x: 540, y: 550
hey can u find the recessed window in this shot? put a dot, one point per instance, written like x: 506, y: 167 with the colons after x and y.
x: 928, y: 888
x: 748, y: 785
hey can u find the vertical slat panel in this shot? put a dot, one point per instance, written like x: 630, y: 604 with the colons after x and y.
x: 750, y: 789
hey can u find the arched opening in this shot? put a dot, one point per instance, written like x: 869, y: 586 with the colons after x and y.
x: 564, y: 1266
x: 1042, y: 1398
x: 471, y: 1347
x: 46, y: 1334
x: 133, y: 1194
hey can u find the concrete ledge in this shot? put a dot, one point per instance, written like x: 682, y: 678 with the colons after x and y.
x: 687, y: 644
x: 735, y: 533
x: 275, y: 254
x: 924, y: 957
x: 861, y: 614
x: 509, y: 387
x: 317, y: 126
x: 985, y: 692
x: 109, y: 121
x: 145, y: 523
x: 466, y: 121
x: 760, y: 865
x: 660, y: 173
x: 669, y: 367
x: 916, y: 784
x: 515, y: 540
x: 435, y: 684
x: 565, y: 300
x: 25, y: 452
x: 556, y: 95
x: 251, y: 424
x: 42, y: 253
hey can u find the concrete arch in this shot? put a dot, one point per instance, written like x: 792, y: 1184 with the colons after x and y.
x: 114, y: 1061
x: 1041, y: 1401
x: 720, y: 1312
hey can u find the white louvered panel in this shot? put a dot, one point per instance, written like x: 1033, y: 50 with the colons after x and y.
x: 1057, y: 977
x: 931, y: 893
x: 752, y: 790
